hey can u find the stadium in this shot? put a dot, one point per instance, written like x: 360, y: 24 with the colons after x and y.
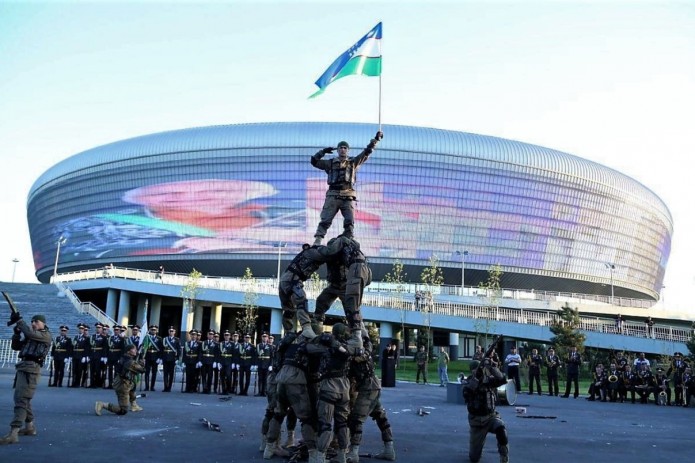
x: 225, y: 198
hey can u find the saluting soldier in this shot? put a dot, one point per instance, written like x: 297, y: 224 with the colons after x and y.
x: 116, y: 346
x: 208, y: 360
x: 264, y: 352
x: 98, y: 359
x: 170, y: 354
x: 153, y: 356
x: 80, y: 355
x: 246, y: 352
x: 191, y: 359
x: 61, y: 350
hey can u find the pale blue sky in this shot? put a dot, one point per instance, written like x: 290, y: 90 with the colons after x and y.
x: 613, y: 82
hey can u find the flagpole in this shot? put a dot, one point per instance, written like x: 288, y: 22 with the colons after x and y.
x: 379, y: 102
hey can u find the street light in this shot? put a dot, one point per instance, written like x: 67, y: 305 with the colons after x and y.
x: 61, y: 241
x: 463, y: 255
x: 14, y: 267
x: 611, y: 267
x: 280, y: 245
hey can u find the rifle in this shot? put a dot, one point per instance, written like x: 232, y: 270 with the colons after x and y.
x: 10, y: 302
x: 183, y: 375
x: 70, y: 372
x: 497, y: 341
x: 50, y: 373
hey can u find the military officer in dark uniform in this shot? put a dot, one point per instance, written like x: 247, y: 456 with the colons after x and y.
x: 152, y: 344
x: 80, y: 356
x: 264, y: 353
x: 116, y: 346
x: 191, y: 360
x: 61, y: 350
x: 661, y: 386
x: 134, y: 339
x: 342, y: 175
x: 247, y: 358
x: 574, y: 362
x: 677, y: 367
x: 236, y: 362
x: 552, y: 363
x: 170, y: 354
x: 225, y: 350
x: 209, y: 361
x: 99, y: 358
x: 535, y: 362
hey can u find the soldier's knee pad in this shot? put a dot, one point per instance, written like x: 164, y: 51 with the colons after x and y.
x: 501, y: 434
x: 122, y: 411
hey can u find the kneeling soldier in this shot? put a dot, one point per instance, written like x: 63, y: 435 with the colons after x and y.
x: 124, y: 384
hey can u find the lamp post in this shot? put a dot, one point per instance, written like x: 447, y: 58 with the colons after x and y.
x: 463, y: 255
x: 14, y: 267
x: 280, y: 245
x: 61, y: 241
x: 611, y: 267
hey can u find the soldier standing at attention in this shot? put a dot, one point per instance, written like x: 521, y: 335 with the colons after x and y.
x: 124, y: 384
x: 552, y: 362
x: 480, y: 394
x: 116, y: 346
x: 60, y: 352
x: 33, y: 343
x: 153, y: 356
x: 236, y: 362
x: 246, y: 353
x: 191, y: 359
x: 574, y: 360
x: 535, y: 362
x: 208, y: 360
x: 170, y: 354
x: 80, y: 355
x: 264, y: 352
x: 421, y: 359
x: 341, y: 194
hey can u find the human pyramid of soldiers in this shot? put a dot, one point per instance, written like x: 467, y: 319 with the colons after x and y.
x: 325, y: 380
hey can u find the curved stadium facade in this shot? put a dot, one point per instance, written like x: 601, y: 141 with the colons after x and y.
x: 221, y: 199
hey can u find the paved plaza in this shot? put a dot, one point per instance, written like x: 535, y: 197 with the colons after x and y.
x: 169, y: 428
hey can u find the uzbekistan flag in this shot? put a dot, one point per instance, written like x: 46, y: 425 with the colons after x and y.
x: 363, y: 58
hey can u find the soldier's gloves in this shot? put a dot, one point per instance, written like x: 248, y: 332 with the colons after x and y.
x: 327, y: 150
x: 219, y: 366
x: 379, y: 135
x: 68, y: 361
x: 104, y: 360
x: 270, y: 368
x: 326, y: 340
x: 85, y: 359
x: 17, y: 330
x: 159, y: 361
x: 199, y: 364
x: 14, y: 318
x: 214, y: 364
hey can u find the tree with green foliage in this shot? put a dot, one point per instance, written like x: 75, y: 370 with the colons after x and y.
x: 397, y: 278
x: 566, y: 330
x: 690, y: 344
x: 432, y: 277
x: 190, y: 291
x: 247, y: 320
x: 493, y: 290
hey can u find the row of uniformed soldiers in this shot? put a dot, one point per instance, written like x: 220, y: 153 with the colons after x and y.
x: 89, y: 358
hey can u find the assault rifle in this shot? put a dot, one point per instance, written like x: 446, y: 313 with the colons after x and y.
x: 13, y: 308
x: 490, y: 354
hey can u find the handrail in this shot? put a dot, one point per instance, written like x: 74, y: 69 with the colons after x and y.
x: 85, y: 307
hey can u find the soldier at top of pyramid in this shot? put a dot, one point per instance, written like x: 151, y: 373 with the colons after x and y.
x: 341, y: 194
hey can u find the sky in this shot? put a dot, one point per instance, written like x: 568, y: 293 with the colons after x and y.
x: 608, y: 81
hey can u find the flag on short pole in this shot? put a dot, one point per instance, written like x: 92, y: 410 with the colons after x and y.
x: 363, y: 58
x: 145, y: 338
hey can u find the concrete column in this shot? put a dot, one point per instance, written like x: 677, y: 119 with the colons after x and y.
x: 123, y: 307
x: 156, y: 312
x: 216, y: 317
x: 198, y: 317
x: 385, y: 335
x: 140, y: 317
x: 276, y: 323
x: 453, y: 346
x: 112, y: 304
x: 186, y: 318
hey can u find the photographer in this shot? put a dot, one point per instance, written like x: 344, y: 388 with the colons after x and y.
x: 479, y: 392
x: 33, y: 347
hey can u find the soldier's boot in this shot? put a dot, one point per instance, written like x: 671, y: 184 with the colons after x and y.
x: 264, y: 440
x: 272, y: 449
x: 339, y: 456
x: 289, y: 442
x: 28, y: 430
x: 98, y: 406
x: 353, y: 456
x: 308, y: 331
x: 389, y: 453
x: 11, y: 438
x: 134, y: 407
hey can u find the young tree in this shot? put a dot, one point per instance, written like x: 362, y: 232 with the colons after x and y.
x: 566, y: 331
x: 432, y: 277
x: 247, y: 321
x: 397, y: 277
x: 493, y: 289
x: 190, y: 291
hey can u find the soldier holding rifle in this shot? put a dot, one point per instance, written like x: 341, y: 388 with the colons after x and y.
x: 33, y: 343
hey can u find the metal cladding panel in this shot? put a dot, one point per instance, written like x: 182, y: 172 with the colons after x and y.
x: 232, y: 192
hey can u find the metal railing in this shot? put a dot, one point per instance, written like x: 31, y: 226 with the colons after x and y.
x: 386, y: 296
x: 85, y: 307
